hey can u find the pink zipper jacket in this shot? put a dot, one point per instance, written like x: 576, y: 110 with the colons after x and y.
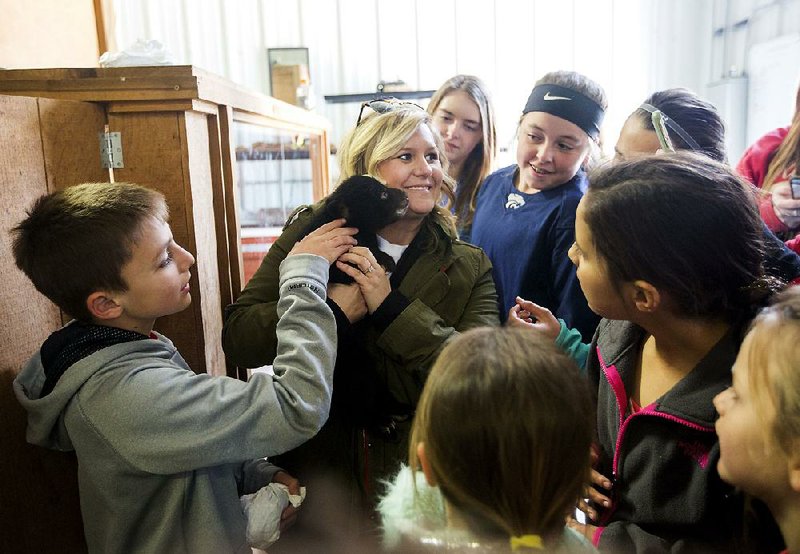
x: 667, y: 495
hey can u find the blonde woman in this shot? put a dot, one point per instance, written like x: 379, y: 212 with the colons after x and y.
x: 391, y: 327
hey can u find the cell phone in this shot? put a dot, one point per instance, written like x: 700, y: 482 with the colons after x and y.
x: 794, y: 184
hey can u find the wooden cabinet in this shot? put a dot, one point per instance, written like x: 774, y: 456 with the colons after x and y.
x: 39, y: 510
x: 180, y: 130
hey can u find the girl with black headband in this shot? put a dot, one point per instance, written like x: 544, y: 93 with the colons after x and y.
x: 525, y: 213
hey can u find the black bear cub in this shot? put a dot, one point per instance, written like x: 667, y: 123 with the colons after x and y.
x: 368, y: 205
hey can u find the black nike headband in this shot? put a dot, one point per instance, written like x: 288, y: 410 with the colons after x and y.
x: 567, y: 104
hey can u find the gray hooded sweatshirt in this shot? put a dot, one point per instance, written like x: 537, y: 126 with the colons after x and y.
x: 161, y: 450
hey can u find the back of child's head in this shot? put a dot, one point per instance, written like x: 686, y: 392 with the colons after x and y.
x: 75, y: 241
x: 774, y: 367
x: 685, y: 224
x: 697, y: 121
x: 506, y: 422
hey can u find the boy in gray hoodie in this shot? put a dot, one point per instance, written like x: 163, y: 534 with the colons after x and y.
x: 163, y: 453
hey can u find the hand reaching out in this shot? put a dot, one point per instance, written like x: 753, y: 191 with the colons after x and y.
x: 593, y: 494
x: 528, y: 315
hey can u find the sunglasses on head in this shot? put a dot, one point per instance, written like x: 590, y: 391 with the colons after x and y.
x: 384, y: 105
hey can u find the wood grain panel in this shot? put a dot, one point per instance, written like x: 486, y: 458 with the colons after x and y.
x: 199, y: 190
x: 219, y: 156
x: 39, y: 508
x: 70, y: 142
x: 231, y: 201
x: 153, y: 146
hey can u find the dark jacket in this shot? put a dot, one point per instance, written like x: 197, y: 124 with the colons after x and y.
x: 527, y: 237
x: 667, y: 494
x: 382, y: 361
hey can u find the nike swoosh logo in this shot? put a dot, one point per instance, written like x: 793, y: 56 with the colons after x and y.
x: 548, y: 97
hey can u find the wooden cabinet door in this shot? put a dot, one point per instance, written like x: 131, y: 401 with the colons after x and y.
x: 44, y: 145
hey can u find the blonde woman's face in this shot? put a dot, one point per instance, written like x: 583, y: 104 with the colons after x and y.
x: 416, y: 169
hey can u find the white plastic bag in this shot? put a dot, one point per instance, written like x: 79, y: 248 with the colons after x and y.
x: 263, y: 512
x: 141, y: 52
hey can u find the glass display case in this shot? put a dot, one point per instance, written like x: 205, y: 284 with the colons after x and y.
x: 274, y: 175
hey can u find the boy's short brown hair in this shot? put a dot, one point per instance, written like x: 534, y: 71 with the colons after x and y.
x: 75, y: 241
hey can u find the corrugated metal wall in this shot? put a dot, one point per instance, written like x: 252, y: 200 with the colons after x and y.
x: 631, y: 47
x: 758, y: 42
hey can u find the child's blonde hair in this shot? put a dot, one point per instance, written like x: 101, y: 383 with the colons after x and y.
x: 787, y: 156
x: 506, y: 421
x: 774, y: 366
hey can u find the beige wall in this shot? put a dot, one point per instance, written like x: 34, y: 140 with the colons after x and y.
x: 47, y: 33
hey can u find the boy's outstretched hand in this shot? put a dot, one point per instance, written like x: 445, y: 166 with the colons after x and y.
x: 289, y: 514
x: 528, y: 315
x: 329, y: 241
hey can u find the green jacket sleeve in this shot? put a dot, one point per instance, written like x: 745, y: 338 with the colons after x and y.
x: 248, y: 334
x: 417, y: 335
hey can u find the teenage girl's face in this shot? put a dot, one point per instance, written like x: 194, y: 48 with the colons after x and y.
x: 601, y: 295
x: 635, y: 141
x: 458, y: 120
x: 748, y: 458
x: 417, y: 170
x: 550, y: 150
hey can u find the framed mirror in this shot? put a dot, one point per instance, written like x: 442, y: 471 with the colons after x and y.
x: 286, y: 57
